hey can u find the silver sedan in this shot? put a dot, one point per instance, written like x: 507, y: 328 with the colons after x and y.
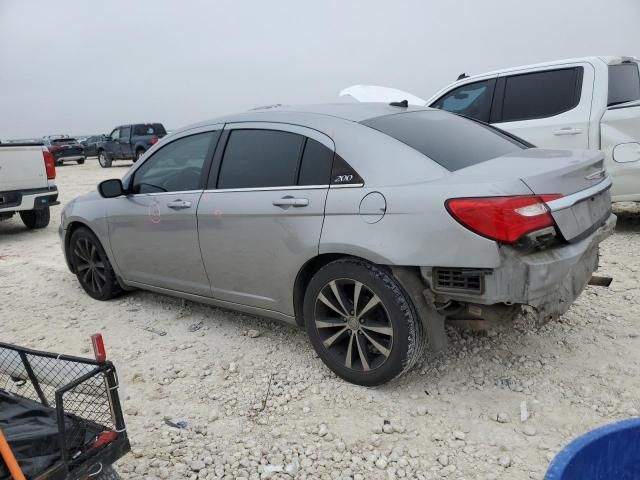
x: 367, y: 224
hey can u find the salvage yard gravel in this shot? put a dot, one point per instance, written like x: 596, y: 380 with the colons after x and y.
x: 211, y: 394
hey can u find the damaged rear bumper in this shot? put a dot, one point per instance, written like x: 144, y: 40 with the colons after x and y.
x: 549, y: 281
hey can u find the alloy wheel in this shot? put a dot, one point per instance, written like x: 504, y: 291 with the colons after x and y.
x: 353, y: 324
x: 90, y: 267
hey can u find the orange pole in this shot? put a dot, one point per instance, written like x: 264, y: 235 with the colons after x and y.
x: 10, y: 459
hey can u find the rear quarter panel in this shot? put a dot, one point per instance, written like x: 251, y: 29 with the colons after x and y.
x: 416, y: 228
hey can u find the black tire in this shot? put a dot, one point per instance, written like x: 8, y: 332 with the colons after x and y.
x: 107, y: 473
x: 139, y: 153
x: 358, y: 354
x: 36, y: 218
x: 58, y: 163
x: 81, y: 161
x: 104, y: 159
x: 92, y: 266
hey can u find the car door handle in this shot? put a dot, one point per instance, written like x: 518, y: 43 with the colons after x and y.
x: 568, y: 131
x: 288, y: 201
x: 179, y: 204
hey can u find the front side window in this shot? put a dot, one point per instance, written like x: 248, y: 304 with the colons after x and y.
x: 624, y: 83
x: 540, y: 94
x: 471, y: 100
x: 125, y: 132
x: 449, y: 140
x: 115, y: 135
x: 176, y: 167
x: 260, y: 158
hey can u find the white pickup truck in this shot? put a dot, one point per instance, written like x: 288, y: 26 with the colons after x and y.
x: 27, y: 183
x: 591, y: 102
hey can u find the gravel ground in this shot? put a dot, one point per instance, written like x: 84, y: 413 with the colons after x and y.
x: 260, y: 404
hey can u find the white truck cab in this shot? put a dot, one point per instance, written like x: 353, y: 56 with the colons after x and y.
x: 587, y: 103
x: 27, y: 183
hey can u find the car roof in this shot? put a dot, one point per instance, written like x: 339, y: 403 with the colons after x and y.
x: 608, y: 60
x: 353, y: 112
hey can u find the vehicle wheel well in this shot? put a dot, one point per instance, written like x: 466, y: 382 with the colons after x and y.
x: 304, y: 277
x: 73, y: 226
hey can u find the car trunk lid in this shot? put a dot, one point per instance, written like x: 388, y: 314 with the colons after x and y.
x: 577, y: 175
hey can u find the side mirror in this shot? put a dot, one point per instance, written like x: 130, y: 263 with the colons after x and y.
x: 111, y: 188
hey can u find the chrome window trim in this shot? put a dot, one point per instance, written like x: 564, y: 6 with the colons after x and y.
x: 268, y: 189
x: 347, y: 185
x: 159, y: 194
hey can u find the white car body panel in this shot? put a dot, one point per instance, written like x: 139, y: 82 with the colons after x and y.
x: 373, y: 93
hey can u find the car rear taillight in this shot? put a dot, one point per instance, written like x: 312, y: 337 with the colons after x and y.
x: 503, y: 219
x: 49, y: 165
x: 154, y: 140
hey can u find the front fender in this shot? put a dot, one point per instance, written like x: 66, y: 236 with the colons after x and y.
x: 87, y: 211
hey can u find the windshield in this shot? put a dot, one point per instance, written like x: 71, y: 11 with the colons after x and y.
x: 149, y: 129
x: 450, y: 140
x: 624, y: 83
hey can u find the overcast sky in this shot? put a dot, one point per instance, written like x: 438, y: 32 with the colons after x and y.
x: 80, y: 66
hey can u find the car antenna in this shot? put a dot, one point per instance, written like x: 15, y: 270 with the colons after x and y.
x: 461, y: 76
x: 403, y: 104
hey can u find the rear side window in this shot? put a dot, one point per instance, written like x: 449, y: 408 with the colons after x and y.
x: 452, y: 141
x: 316, y: 164
x: 472, y: 100
x: 260, y: 158
x: 540, y: 94
x: 624, y: 83
x: 149, y: 129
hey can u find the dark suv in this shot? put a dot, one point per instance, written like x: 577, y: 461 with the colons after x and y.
x: 64, y: 149
x: 129, y: 142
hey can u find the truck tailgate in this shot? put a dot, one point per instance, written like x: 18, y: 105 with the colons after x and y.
x: 22, y: 167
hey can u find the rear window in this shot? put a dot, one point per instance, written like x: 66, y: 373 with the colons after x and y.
x: 149, y: 129
x: 63, y: 141
x: 541, y: 94
x: 624, y: 83
x: 452, y: 141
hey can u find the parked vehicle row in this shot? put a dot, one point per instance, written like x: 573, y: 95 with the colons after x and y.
x: 591, y: 102
x: 368, y: 224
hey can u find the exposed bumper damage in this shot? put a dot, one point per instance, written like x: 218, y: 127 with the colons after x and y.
x: 548, y: 281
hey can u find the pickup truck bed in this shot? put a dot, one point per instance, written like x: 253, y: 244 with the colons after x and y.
x: 27, y: 183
